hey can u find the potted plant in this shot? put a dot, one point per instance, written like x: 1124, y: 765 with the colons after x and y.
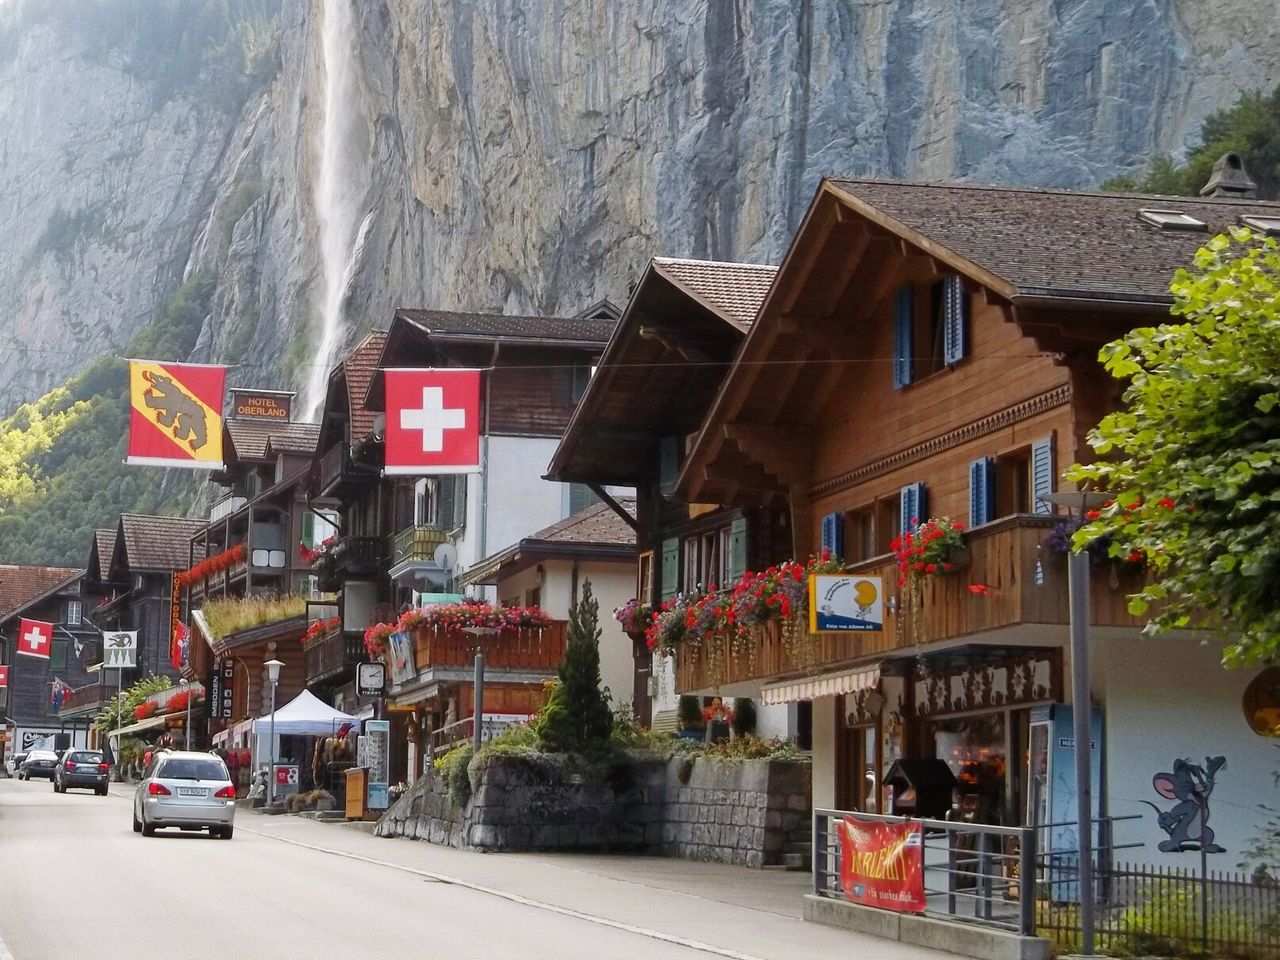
x: 935, y: 548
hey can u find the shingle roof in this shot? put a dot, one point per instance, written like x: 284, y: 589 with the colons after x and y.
x: 20, y: 585
x: 251, y: 437
x: 158, y: 543
x: 733, y: 290
x: 105, y: 540
x: 1054, y: 242
x: 359, y: 368
x: 488, y: 325
x: 594, y: 524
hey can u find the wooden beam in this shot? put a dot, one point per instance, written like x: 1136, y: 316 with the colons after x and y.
x: 615, y: 506
x: 783, y: 450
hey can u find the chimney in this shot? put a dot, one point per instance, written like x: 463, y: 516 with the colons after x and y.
x: 1229, y: 179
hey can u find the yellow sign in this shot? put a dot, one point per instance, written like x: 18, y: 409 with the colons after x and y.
x: 176, y: 415
x: 845, y: 603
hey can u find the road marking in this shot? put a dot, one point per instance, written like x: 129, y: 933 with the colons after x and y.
x: 515, y: 898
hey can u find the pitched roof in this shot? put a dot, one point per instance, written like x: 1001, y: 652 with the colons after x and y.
x: 488, y: 326
x: 358, y: 368
x: 1051, y: 242
x: 20, y: 585
x: 251, y: 438
x: 596, y: 524
x: 733, y: 290
x: 158, y: 543
x: 105, y: 540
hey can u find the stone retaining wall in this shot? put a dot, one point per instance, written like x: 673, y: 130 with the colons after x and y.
x: 753, y: 813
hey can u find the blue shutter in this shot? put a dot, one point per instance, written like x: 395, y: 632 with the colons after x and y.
x: 737, y: 550
x: 982, y: 491
x: 1042, y: 474
x: 668, y: 464
x: 903, y: 314
x: 955, y: 317
x: 670, y: 568
x: 913, y: 503
x: 833, y: 534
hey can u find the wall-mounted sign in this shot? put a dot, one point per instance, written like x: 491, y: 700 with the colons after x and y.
x: 371, y: 679
x: 260, y: 405
x: 222, y: 689
x: 840, y: 603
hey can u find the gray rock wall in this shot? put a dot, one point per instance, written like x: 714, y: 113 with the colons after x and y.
x: 532, y: 156
x: 754, y: 813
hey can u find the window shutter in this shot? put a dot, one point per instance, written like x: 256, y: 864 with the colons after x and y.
x: 580, y: 497
x: 459, y: 500
x: 447, y: 490
x: 1042, y: 474
x: 913, y: 504
x: 670, y: 568
x: 955, y: 318
x: 833, y: 534
x: 903, y: 315
x: 982, y: 491
x: 308, y: 528
x: 737, y: 565
x: 668, y: 464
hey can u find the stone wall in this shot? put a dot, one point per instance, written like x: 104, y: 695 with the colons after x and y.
x: 753, y: 813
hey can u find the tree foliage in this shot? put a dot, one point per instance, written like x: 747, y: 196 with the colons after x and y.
x: 1250, y: 127
x: 576, y: 718
x: 1193, y: 458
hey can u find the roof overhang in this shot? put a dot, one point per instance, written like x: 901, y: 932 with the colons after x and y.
x: 527, y: 553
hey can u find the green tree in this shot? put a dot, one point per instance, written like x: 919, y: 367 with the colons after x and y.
x: 576, y: 718
x: 1250, y: 127
x: 1193, y: 457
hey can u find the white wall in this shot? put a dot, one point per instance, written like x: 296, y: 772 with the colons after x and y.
x: 773, y: 721
x: 1166, y: 699
x: 824, y: 753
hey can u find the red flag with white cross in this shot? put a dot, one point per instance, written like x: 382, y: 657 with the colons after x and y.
x: 4, y: 675
x: 34, y: 638
x: 433, y: 421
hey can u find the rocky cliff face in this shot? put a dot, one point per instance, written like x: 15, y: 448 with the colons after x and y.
x: 522, y: 154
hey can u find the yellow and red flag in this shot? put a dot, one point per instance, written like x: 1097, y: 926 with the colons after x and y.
x: 175, y: 418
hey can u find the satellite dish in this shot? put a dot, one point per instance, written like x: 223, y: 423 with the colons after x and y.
x: 446, y: 556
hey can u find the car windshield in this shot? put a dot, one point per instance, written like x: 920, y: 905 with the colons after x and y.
x: 189, y: 768
x: 82, y: 757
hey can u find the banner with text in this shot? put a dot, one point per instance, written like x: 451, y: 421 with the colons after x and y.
x: 882, y: 864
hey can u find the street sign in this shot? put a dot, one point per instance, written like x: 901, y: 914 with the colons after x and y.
x: 371, y: 679
x: 120, y: 649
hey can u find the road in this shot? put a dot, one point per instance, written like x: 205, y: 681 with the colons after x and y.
x: 76, y: 882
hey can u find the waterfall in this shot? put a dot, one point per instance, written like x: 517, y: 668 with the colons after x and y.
x: 338, y: 190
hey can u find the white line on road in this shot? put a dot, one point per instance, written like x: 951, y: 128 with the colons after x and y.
x: 516, y: 898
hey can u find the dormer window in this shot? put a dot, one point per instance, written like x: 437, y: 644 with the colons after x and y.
x: 1171, y: 219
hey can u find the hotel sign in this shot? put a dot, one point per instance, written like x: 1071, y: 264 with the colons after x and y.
x: 261, y: 405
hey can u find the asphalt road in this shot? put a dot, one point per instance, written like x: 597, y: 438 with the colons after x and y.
x: 76, y: 882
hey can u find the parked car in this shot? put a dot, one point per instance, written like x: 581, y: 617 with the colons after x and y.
x: 187, y: 790
x: 38, y: 763
x: 14, y: 762
x: 81, y: 769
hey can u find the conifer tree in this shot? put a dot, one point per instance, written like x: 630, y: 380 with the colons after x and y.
x: 576, y: 717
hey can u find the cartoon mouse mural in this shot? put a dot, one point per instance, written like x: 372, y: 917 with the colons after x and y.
x: 1187, y: 821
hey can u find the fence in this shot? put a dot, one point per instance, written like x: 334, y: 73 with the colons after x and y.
x: 977, y: 873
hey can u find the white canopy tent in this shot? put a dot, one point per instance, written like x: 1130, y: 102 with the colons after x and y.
x: 305, y: 715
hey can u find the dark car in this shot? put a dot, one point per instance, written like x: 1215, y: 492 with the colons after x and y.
x: 86, y: 769
x: 39, y: 763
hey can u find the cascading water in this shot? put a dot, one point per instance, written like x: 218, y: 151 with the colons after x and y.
x: 338, y: 190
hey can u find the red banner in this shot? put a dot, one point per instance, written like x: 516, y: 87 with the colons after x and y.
x: 175, y: 416
x: 882, y: 864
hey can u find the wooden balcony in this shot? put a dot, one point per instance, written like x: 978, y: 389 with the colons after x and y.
x: 1013, y: 583
x: 86, y: 700
x: 337, y: 472
x: 526, y: 650
x: 331, y: 654
x: 356, y: 557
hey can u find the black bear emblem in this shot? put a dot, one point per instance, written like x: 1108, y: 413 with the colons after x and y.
x: 176, y: 409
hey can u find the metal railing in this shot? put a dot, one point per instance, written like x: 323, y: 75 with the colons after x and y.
x: 460, y: 731
x: 225, y: 506
x: 417, y: 543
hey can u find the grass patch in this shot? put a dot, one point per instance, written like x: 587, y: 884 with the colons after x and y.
x: 235, y: 614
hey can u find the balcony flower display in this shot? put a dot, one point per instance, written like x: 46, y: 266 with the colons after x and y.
x: 213, y: 565
x: 456, y: 618
x: 180, y: 701
x: 312, y: 556
x: 320, y: 628
x: 633, y: 615
x: 375, y: 639
x: 144, y: 710
x: 931, y: 549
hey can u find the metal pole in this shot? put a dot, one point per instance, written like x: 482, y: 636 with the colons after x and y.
x: 271, y: 753
x: 1081, y: 714
x: 188, y: 716
x: 119, y: 708
x: 477, y: 721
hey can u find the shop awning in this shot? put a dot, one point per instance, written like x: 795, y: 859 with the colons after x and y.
x: 827, y: 685
x: 151, y: 723
x: 414, y: 697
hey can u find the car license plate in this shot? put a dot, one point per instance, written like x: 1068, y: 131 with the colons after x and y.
x: 192, y: 791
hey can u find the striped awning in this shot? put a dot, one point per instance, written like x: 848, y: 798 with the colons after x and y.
x: 827, y: 685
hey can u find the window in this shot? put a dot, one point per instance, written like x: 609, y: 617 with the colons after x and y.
x: 426, y: 502
x: 580, y: 497
x: 1170, y: 219
x: 692, y: 569
x: 860, y: 535
x: 1268, y: 225
x: 706, y: 558
x: 191, y: 768
x: 533, y: 597
x: 888, y: 524
x: 930, y: 333
x: 644, y: 578
x: 581, y: 376
x: 74, y: 609
x: 1013, y: 483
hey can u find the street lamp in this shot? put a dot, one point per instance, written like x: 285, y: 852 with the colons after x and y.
x: 273, y: 677
x: 1081, y: 703
x: 187, y: 684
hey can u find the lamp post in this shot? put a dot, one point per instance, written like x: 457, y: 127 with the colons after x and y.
x: 273, y: 677
x: 186, y: 684
x: 1081, y: 705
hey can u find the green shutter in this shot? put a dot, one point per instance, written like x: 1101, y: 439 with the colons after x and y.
x: 668, y: 464
x: 580, y: 497
x: 58, y: 655
x: 670, y: 568
x: 448, y: 488
x: 308, y: 528
x: 459, y: 501
x: 737, y: 549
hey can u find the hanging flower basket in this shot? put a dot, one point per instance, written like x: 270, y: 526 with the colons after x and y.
x: 933, y: 549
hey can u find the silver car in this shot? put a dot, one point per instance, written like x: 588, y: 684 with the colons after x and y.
x: 187, y: 790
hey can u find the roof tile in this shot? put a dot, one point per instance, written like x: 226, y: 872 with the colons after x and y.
x: 20, y: 585
x: 734, y: 290
x: 594, y: 524
x: 158, y: 543
x: 489, y: 325
x: 358, y: 369
x: 251, y: 438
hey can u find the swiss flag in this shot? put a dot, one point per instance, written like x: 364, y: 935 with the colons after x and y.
x: 4, y: 675
x: 433, y: 421
x: 34, y: 637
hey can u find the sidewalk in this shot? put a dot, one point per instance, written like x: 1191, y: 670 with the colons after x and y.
x: 734, y: 911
